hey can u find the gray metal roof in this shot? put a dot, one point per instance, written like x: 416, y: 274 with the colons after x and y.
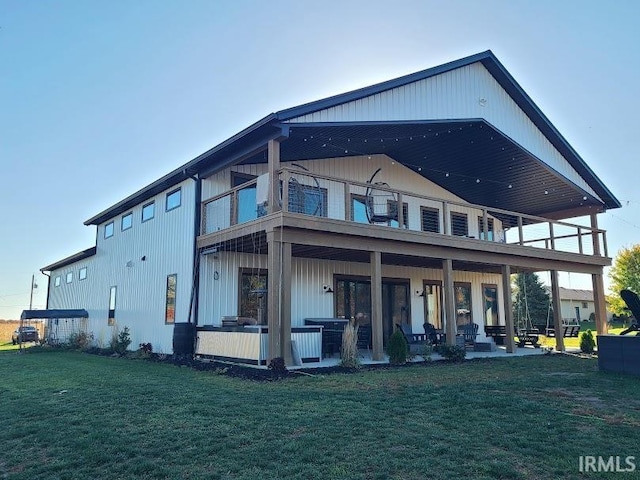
x: 76, y: 257
x: 46, y: 314
x: 271, y: 126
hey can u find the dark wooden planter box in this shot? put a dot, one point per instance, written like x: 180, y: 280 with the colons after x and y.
x: 619, y: 353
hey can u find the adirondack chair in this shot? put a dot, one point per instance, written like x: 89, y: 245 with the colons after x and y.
x: 469, y: 331
x: 633, y: 302
x: 415, y: 341
x: 432, y: 335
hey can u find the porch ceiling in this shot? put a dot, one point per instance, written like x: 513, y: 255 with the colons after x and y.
x: 452, y: 154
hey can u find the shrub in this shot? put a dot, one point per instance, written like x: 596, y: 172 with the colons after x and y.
x: 587, y: 342
x: 397, y: 348
x: 80, y: 341
x: 349, y: 352
x: 145, y: 350
x: 453, y: 353
x: 121, y: 341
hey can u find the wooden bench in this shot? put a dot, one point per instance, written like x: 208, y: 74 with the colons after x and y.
x: 497, y: 332
x: 531, y: 336
x: 568, y: 331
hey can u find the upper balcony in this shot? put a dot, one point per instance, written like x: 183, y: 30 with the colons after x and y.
x: 332, y: 199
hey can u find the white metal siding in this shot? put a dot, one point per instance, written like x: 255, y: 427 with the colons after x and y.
x: 454, y: 95
x: 166, y: 242
x: 219, y: 298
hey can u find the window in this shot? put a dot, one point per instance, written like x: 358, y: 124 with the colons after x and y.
x: 489, y: 233
x: 108, y: 230
x: 352, y: 296
x: 126, y: 222
x: 462, y: 294
x: 170, y: 305
x: 359, y: 209
x: 490, y: 293
x: 307, y: 199
x: 69, y: 277
x: 173, y: 199
x: 112, y: 306
x: 57, y: 281
x: 148, y: 211
x: 430, y: 219
x: 82, y: 273
x: 405, y: 217
x: 433, y: 303
x: 459, y: 225
x: 585, y: 305
x: 253, y: 298
x: 246, y: 209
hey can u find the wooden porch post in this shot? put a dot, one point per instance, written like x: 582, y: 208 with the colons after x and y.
x: 285, y: 303
x: 600, y: 304
x: 510, y: 342
x: 376, y: 305
x: 279, y: 297
x: 449, y: 301
x: 557, y: 312
x: 273, y: 158
x: 595, y: 237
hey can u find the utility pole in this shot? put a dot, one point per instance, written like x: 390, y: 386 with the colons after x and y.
x: 34, y: 285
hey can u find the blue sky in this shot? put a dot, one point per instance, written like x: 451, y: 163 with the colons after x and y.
x: 100, y: 98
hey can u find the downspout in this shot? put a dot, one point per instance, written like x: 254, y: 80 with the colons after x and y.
x: 48, y: 288
x: 195, y: 286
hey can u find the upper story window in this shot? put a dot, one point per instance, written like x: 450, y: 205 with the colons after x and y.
x: 174, y: 199
x: 82, y: 273
x: 108, y: 230
x: 69, y: 277
x: 126, y: 222
x: 488, y: 235
x: 459, y: 224
x: 430, y: 219
x: 310, y: 200
x: 57, y: 281
x: 148, y: 211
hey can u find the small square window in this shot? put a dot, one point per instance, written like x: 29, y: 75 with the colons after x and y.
x: 82, y: 274
x: 585, y: 305
x: 173, y: 199
x: 127, y: 221
x: 69, y: 277
x: 108, y: 230
x: 57, y: 281
x: 148, y: 211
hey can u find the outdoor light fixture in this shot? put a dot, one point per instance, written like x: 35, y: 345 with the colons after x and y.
x: 327, y: 289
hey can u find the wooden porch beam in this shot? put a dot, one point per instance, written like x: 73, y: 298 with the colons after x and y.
x: 510, y: 342
x: 557, y: 310
x: 376, y: 306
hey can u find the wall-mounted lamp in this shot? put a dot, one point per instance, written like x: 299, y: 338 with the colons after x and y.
x: 420, y: 293
x: 327, y: 289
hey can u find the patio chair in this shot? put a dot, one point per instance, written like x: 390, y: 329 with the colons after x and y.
x: 469, y: 331
x: 431, y: 333
x: 415, y: 341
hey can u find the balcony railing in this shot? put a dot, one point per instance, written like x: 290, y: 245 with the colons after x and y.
x: 352, y: 201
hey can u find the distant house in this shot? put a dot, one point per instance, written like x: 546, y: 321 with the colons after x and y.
x: 409, y: 201
x: 577, y: 305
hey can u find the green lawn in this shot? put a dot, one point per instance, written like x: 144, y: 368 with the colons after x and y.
x: 73, y: 415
